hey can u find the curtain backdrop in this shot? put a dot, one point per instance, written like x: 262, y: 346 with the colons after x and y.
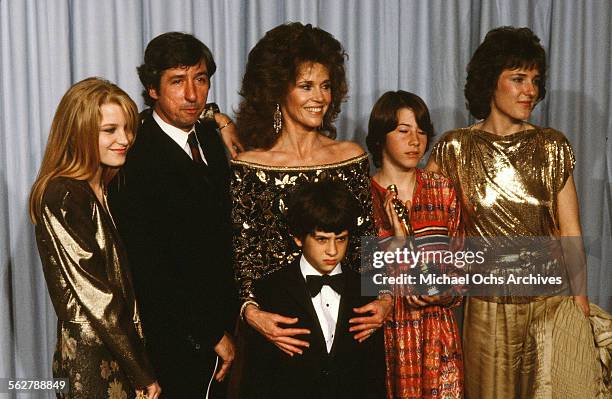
x: 421, y: 46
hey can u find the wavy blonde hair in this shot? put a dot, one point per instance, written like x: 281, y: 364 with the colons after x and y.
x: 72, y: 148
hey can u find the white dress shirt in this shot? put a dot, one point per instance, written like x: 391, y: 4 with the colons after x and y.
x: 326, y: 303
x: 179, y: 136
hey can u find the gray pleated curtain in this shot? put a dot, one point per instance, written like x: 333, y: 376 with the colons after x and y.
x: 417, y: 45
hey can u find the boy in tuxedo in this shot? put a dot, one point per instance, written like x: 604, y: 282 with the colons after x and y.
x: 322, y: 294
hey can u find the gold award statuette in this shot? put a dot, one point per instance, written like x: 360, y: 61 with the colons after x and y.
x: 404, y: 216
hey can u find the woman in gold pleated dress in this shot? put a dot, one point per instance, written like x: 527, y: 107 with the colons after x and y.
x: 100, y: 347
x: 514, y: 179
x: 292, y: 89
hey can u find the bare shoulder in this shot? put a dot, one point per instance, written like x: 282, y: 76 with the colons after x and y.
x: 346, y: 149
x: 328, y: 152
x: 254, y: 156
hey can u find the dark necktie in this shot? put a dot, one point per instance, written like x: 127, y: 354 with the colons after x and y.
x: 315, y: 283
x: 193, y: 146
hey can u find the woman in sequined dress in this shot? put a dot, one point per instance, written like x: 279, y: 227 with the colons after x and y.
x: 422, y: 343
x: 515, y: 180
x: 100, y: 348
x: 292, y: 90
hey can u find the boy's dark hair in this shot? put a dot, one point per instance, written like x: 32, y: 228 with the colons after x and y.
x: 505, y: 47
x: 171, y: 50
x: 325, y: 205
x: 383, y: 120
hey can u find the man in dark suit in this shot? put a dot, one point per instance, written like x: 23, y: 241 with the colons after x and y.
x: 171, y: 204
x: 323, y: 296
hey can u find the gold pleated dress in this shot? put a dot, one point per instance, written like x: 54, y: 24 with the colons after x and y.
x: 100, y: 347
x: 517, y: 346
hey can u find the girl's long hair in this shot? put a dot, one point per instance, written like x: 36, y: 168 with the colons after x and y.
x: 72, y: 148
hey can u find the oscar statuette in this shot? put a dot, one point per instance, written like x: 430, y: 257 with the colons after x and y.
x: 404, y: 217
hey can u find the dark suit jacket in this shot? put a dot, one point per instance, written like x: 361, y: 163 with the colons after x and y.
x: 350, y: 370
x: 173, y: 215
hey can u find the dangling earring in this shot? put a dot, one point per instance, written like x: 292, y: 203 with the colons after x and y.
x: 278, y: 120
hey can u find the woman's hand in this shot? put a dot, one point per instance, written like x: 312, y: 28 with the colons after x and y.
x: 267, y: 324
x: 378, y: 309
x: 229, y: 134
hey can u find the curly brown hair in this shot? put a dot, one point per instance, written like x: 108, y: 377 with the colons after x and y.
x: 273, y: 65
x: 503, y: 48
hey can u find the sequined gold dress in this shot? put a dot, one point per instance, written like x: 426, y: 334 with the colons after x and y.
x: 100, y: 347
x: 262, y: 243
x: 422, y: 345
x: 518, y: 347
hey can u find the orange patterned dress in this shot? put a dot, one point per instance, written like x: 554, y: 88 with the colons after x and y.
x: 422, y: 345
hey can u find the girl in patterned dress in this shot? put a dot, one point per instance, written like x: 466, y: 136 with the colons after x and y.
x: 422, y: 343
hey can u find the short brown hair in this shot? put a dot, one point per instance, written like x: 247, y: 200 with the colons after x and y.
x: 171, y: 50
x: 383, y: 119
x: 503, y: 48
x: 325, y: 205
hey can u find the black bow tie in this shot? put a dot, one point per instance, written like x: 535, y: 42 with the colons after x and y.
x: 315, y: 283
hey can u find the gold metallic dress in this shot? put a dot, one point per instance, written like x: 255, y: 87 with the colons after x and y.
x: 100, y: 347
x: 518, y: 347
x: 262, y: 243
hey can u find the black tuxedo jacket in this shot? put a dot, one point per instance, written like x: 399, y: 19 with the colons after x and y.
x: 350, y: 370
x: 174, y: 216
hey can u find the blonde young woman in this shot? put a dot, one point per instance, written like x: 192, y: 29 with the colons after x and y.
x: 100, y: 347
